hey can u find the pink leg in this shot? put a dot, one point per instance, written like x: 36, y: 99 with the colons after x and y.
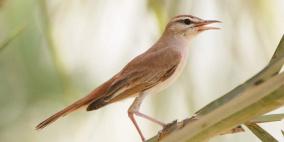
x: 150, y: 118
x: 134, y: 109
x: 131, y: 116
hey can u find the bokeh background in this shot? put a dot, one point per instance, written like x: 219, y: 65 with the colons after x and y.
x: 53, y: 52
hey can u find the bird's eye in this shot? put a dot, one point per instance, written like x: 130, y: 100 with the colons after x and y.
x: 187, y: 21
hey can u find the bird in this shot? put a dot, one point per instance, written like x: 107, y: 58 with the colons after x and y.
x: 148, y: 73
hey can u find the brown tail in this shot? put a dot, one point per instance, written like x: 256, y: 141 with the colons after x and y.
x: 97, y: 93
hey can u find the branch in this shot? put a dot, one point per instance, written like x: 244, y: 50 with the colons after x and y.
x: 259, y: 95
x: 271, y: 69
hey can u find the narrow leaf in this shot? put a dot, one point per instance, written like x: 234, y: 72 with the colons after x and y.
x: 260, y: 133
x: 268, y: 118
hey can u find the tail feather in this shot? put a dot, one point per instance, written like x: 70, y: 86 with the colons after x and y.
x: 80, y: 103
x: 96, y: 94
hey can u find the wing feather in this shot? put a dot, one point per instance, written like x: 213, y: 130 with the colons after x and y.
x: 142, y: 73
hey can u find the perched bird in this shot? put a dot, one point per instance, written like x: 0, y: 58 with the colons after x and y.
x: 150, y: 72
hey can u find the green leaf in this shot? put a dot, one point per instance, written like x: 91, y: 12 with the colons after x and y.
x: 268, y: 118
x: 260, y: 133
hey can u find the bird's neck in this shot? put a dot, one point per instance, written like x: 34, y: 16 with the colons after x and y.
x: 170, y: 40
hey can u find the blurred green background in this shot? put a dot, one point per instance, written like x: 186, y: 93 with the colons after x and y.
x: 54, y: 52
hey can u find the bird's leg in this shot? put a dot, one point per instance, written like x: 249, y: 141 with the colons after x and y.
x: 134, y: 109
x: 131, y: 111
x: 150, y: 119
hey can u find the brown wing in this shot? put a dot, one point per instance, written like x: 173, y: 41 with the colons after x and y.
x: 140, y: 74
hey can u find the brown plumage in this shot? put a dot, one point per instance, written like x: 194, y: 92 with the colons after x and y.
x: 150, y: 72
x: 133, y: 80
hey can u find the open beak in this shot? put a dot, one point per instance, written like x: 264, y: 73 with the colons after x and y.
x: 202, y: 25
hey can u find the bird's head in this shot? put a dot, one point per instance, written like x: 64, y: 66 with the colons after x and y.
x: 188, y: 25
